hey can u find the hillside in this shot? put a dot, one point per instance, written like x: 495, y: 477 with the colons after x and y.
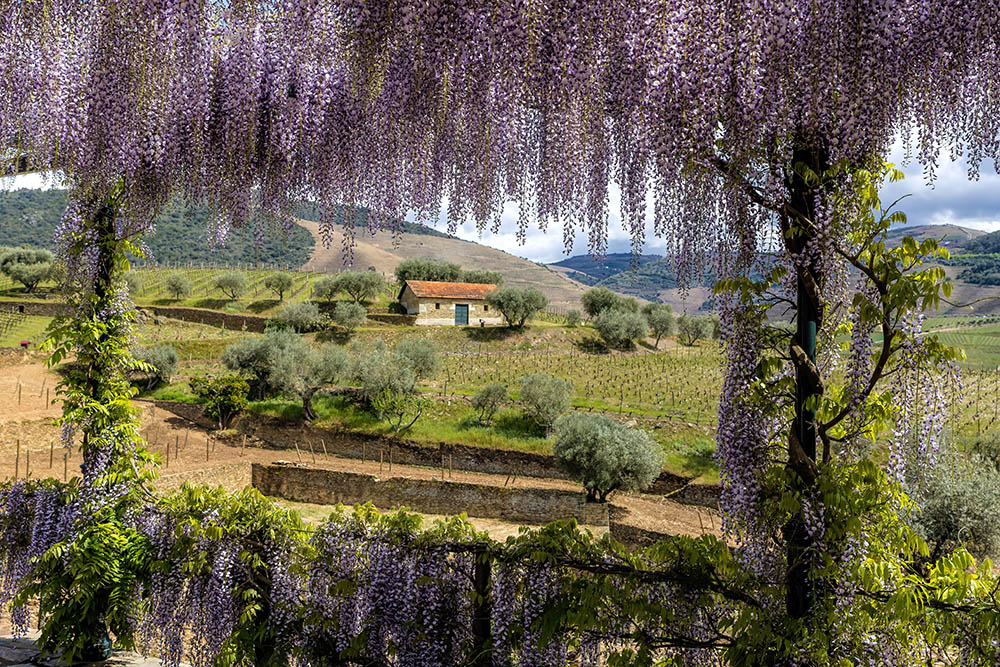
x: 975, y: 277
x: 384, y: 252
x: 30, y: 217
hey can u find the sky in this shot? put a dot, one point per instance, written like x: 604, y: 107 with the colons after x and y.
x: 951, y: 199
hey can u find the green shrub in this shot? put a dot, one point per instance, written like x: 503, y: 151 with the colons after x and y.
x: 279, y: 283
x: 545, y: 398
x: 487, y: 402
x: 224, y: 397
x: 231, y: 283
x: 401, y: 409
x: 301, y: 317
x: 177, y: 284
x: 573, y: 318
x: 517, y: 304
x: 619, y: 328
x: 606, y: 456
x: 163, y: 362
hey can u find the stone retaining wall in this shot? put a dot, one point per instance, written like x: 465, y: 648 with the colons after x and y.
x: 349, y: 444
x: 213, y: 318
x: 330, y: 487
x: 42, y: 308
x: 393, y: 318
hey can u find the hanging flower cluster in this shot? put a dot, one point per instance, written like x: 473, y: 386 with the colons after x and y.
x: 408, y: 105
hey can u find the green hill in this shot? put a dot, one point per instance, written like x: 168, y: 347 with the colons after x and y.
x: 30, y: 217
x: 985, y: 245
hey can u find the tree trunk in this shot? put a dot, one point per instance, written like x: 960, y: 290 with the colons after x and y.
x: 796, y: 225
x: 308, y: 413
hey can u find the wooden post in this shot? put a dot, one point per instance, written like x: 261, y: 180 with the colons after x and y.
x: 19, y: 393
x: 17, y: 458
x: 297, y: 452
x: 244, y: 445
x: 27, y: 462
x: 47, y: 401
x: 168, y: 454
x: 323, y: 442
x: 311, y: 451
x: 186, y: 434
x: 450, y: 468
x: 177, y: 447
x: 380, y: 454
x: 52, y: 451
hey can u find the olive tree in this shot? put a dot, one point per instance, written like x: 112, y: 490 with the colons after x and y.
x: 253, y: 357
x: 302, y: 317
x: 325, y: 289
x: 545, y: 398
x: 419, y: 268
x: 483, y: 277
x: 606, y: 456
x: 304, y: 370
x: 231, y: 283
x: 487, y: 402
x: 692, y: 329
x: 619, y: 328
x: 162, y: 364
x: 573, y: 319
x: 350, y: 316
x: 359, y: 285
x: 279, y: 283
x: 599, y: 299
x: 28, y: 266
x: 517, y: 304
x: 662, y: 322
x: 177, y: 284
x: 420, y: 354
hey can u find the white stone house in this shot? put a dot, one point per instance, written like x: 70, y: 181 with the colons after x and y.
x: 448, y: 304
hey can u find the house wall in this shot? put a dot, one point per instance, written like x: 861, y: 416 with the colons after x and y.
x: 445, y: 316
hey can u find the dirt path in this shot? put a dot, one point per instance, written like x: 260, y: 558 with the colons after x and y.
x: 31, y: 442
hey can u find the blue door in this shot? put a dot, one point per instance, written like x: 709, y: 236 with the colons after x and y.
x: 461, y: 314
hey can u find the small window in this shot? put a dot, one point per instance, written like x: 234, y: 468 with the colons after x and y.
x: 437, y: 306
x: 486, y: 309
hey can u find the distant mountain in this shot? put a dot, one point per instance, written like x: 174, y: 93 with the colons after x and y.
x: 957, y: 239
x: 590, y: 271
x: 985, y: 244
x: 30, y: 217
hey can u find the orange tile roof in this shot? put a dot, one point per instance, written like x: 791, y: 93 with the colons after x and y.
x: 439, y: 290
